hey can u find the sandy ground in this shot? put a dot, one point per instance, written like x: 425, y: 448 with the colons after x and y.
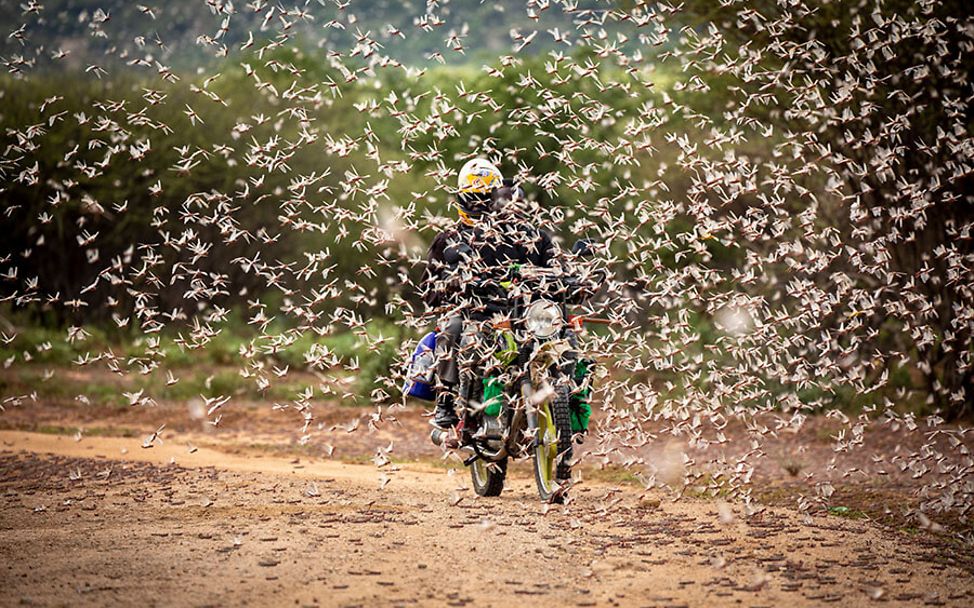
x: 104, y: 522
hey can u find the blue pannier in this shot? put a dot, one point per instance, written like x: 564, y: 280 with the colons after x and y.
x: 419, y: 374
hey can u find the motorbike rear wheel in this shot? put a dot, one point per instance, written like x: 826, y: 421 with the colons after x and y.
x: 553, y: 450
x: 488, y: 477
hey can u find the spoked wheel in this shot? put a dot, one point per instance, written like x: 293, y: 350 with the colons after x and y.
x: 554, y: 447
x: 488, y: 477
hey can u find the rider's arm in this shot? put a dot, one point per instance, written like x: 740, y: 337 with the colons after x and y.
x: 432, y: 287
x: 547, y: 252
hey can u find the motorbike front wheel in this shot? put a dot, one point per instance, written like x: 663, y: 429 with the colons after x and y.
x: 488, y: 477
x: 552, y: 453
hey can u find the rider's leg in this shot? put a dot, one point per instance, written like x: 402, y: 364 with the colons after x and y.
x: 447, y: 374
x: 445, y: 417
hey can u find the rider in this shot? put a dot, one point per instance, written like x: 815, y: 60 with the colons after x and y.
x: 490, y: 234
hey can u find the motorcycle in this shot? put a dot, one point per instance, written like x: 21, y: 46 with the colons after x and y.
x: 515, y: 396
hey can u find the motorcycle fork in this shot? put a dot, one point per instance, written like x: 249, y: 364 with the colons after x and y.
x: 530, y: 411
x: 526, y: 385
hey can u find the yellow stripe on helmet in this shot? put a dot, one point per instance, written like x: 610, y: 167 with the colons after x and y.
x: 466, y: 219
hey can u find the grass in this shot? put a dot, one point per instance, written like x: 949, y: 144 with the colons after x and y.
x: 31, y: 381
x: 38, y: 344
x: 846, y: 512
x: 91, y: 431
x: 211, y: 370
x: 99, y: 388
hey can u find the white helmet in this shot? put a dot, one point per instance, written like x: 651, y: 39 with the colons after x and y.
x: 480, y: 176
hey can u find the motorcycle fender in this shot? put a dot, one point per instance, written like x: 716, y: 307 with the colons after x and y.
x: 544, y: 356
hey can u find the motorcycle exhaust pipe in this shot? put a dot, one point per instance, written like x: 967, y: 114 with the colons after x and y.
x: 448, y: 439
x: 443, y: 438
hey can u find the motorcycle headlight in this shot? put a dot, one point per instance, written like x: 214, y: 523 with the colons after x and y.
x: 543, y: 318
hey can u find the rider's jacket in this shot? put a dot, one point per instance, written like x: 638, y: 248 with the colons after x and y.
x: 494, y: 244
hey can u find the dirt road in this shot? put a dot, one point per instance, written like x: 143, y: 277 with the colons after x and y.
x: 104, y: 522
